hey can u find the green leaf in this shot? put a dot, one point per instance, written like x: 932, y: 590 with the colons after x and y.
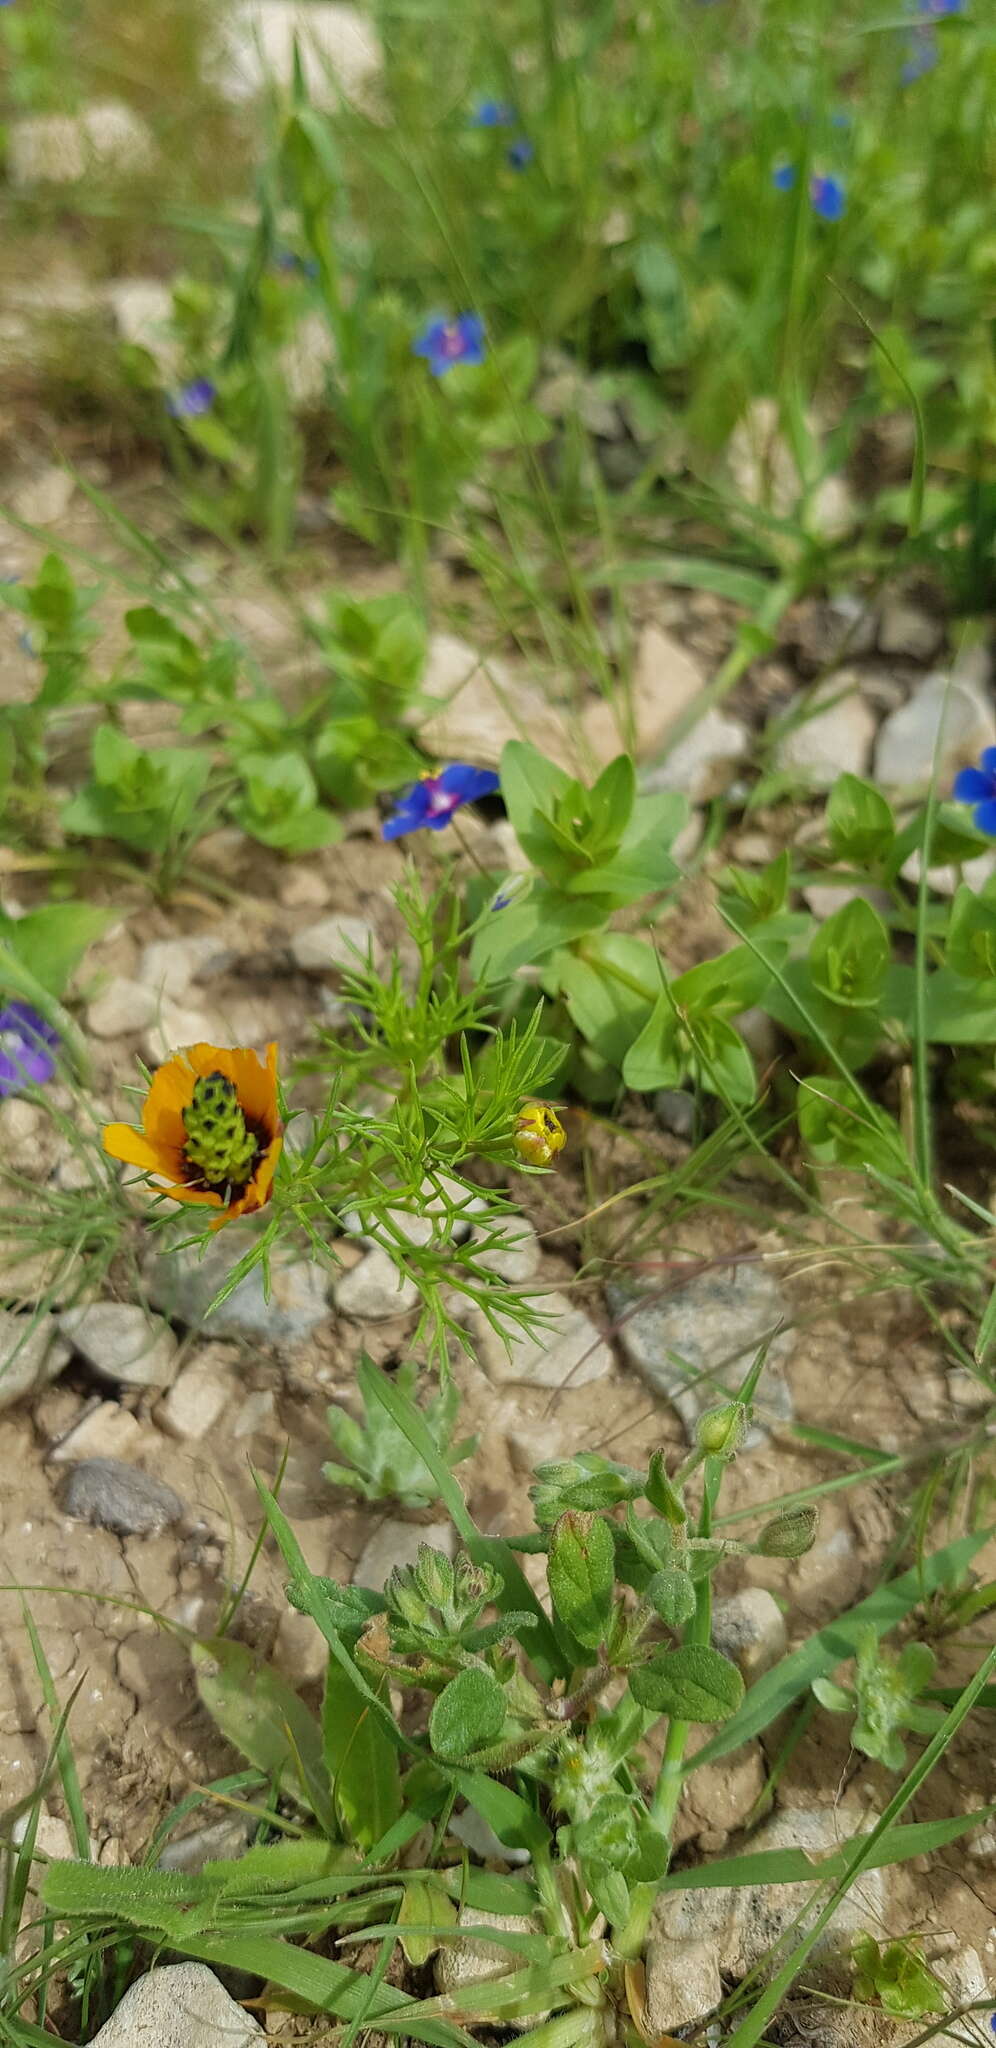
x: 860, y: 824
x: 264, y: 1718
x: 468, y: 1715
x: 362, y: 1764
x: 794, y: 1675
x: 422, y: 1905
x: 657, y: 1057
x: 581, y: 1573
x: 971, y: 940
x: 51, y: 942
x: 693, y: 1683
x: 672, y: 1597
x: 850, y: 954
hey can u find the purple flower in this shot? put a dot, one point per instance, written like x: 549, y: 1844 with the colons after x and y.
x: 192, y: 399
x: 977, y: 786
x: 492, y: 114
x: 27, y: 1045
x: 783, y: 177
x: 520, y: 153
x: 827, y: 197
x: 433, y: 800
x: 444, y: 343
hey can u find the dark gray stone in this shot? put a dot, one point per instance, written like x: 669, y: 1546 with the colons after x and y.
x: 116, y: 1496
x: 694, y: 1343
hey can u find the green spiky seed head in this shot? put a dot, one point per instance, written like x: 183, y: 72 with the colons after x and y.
x: 219, y: 1142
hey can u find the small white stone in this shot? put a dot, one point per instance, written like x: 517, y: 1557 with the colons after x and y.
x: 256, y: 1413
x: 374, y: 1289
x: 303, y: 888
x: 122, y: 1007
x: 565, y: 1350
x: 475, y: 704
x: 473, y: 1960
x: 334, y: 943
x: 750, y: 1628
x: 944, y: 722
x: 907, y: 630
x: 509, y: 1247
x: 833, y: 740
x: 51, y: 1839
x: 45, y: 498
x: 105, y: 1430
x: 399, y: 1543
x: 170, y: 965
x: 142, y: 309
x: 683, y: 1985
x: 61, y: 149
x: 666, y: 680
x: 122, y: 1343
x: 196, y: 1401
x: 701, y: 765
x: 180, y: 2006
x: 177, y: 1025
x: 339, y: 48
x: 32, y: 1353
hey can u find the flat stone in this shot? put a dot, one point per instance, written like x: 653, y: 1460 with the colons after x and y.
x: 749, y: 1627
x: 743, y: 1924
x: 715, y: 1323
x: 399, y: 1543
x: 764, y: 471
x: 303, y: 888
x: 471, y: 1960
x: 334, y: 943
x: 221, y: 1841
x: 683, y: 1985
x: 29, y: 1140
x: 674, y: 1109
x: 474, y: 706
x: 180, y: 2006
x: 142, y: 310
x: 565, y: 1350
x: 116, y: 1496
x: 375, y: 1289
x: 666, y: 680
x: 122, y: 1007
x: 61, y: 149
x: 833, y: 741
x: 906, y: 629
x: 170, y: 965
x: 32, y: 1353
x: 339, y: 47
x: 509, y: 1247
x: 122, y: 1343
x: 44, y: 499
x: 185, y: 1285
x: 702, y: 764
x: 307, y: 360
x: 198, y: 1399
x: 176, y: 1025
x: 946, y: 720
x: 105, y: 1430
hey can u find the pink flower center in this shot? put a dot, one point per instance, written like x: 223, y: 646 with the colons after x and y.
x: 451, y: 341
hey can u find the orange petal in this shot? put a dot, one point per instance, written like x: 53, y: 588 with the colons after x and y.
x: 183, y: 1192
x: 122, y: 1141
x: 170, y: 1093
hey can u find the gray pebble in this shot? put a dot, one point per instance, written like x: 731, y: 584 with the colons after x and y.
x: 120, y: 1497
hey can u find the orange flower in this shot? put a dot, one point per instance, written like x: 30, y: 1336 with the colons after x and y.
x: 210, y: 1129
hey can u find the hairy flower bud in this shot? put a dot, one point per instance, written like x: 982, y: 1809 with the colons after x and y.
x: 789, y: 1535
x: 722, y: 1431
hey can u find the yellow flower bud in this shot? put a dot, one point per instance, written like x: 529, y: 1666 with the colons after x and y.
x: 539, y: 1134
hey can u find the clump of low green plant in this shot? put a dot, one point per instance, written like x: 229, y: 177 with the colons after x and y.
x: 885, y: 1699
x: 376, y: 1459
x: 894, y: 1975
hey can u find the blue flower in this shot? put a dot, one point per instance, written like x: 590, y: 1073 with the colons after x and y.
x: 192, y: 399
x: 783, y: 176
x: 492, y: 114
x: 289, y: 260
x: 922, y: 55
x: 827, y: 196
x: 444, y: 343
x: 433, y: 800
x: 520, y: 153
x: 977, y: 786
x: 27, y: 1046
x: 940, y: 7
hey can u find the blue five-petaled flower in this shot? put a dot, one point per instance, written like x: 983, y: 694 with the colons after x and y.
x: 445, y: 343
x: 826, y: 196
x: 977, y: 786
x: 492, y: 114
x: 192, y: 399
x: 520, y: 153
x: 432, y: 801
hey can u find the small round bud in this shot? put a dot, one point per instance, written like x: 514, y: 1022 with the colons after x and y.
x: 789, y: 1535
x: 722, y: 1431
